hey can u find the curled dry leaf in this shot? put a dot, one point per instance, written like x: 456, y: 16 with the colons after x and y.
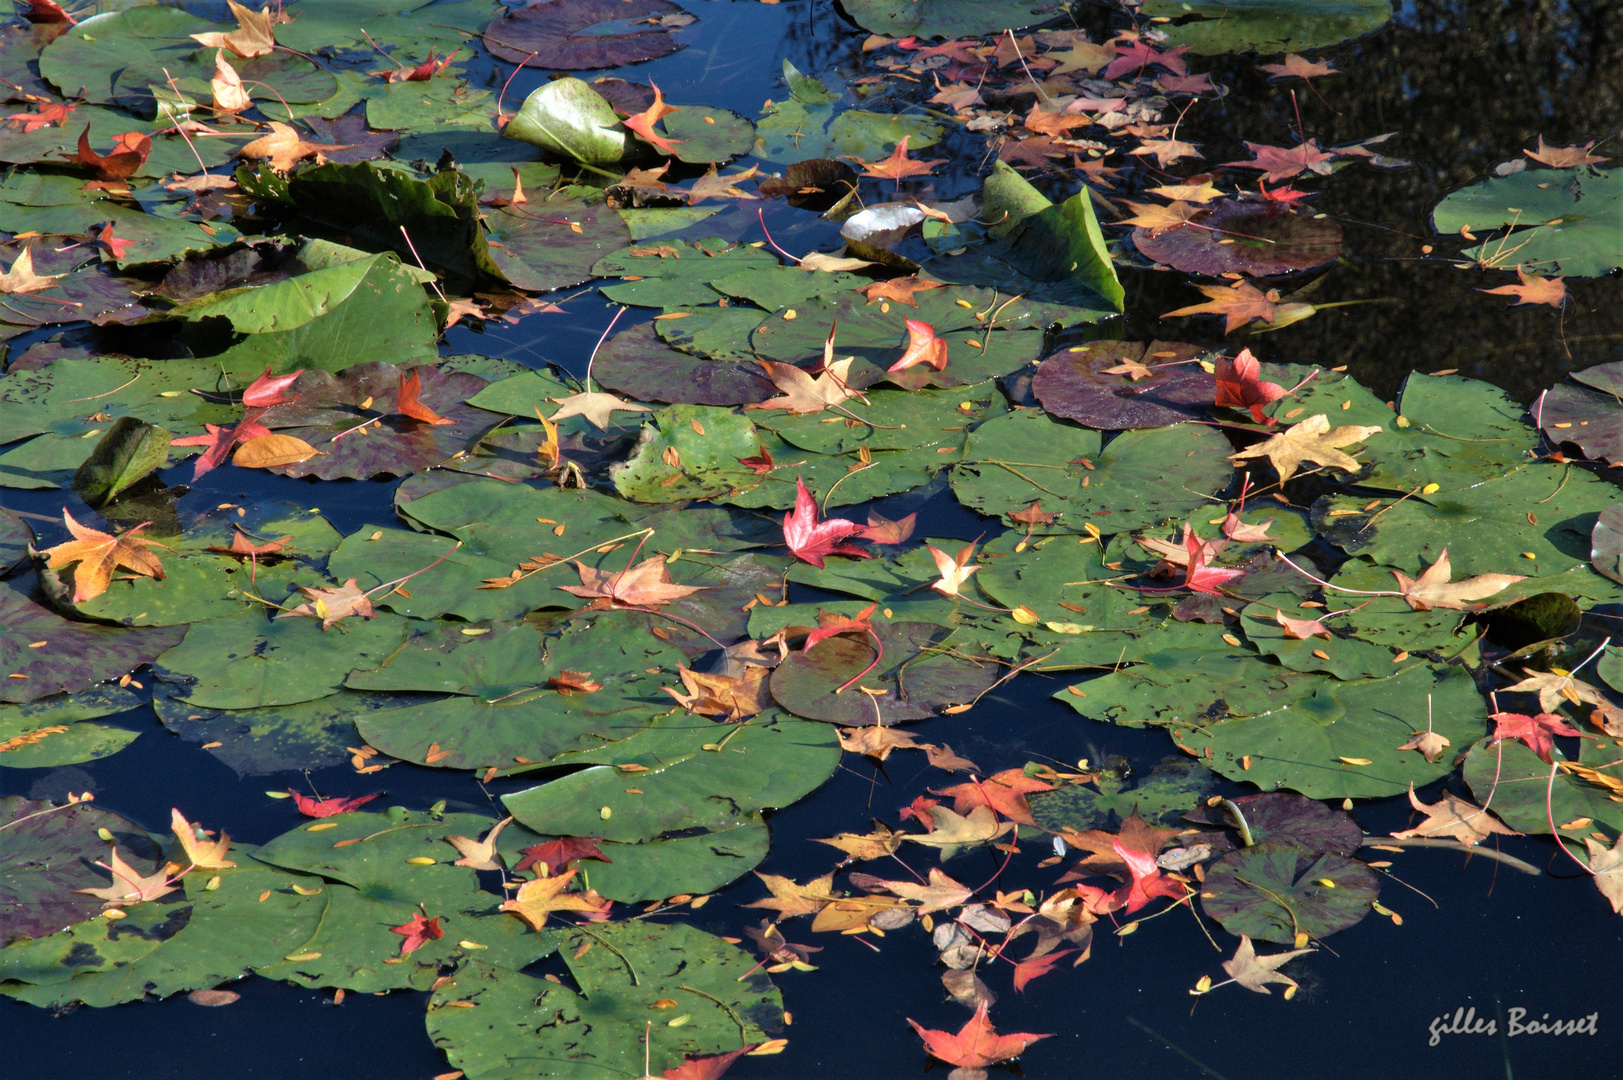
x: 723, y: 697
x: 330, y: 604
x: 479, y: 854
x: 1312, y: 440
x: 648, y: 584
x: 1432, y: 588
x: 540, y: 897
x: 1455, y: 817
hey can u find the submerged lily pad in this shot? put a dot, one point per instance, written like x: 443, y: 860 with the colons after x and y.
x: 1211, y: 27
x: 556, y: 34
x: 1075, y: 384
x: 75, y: 656
x: 1273, y: 892
x: 1173, y: 786
x: 1235, y: 236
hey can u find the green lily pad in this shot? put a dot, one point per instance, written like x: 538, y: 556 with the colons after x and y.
x: 704, y: 134
x: 1272, y: 892
x: 657, y: 869
x: 947, y: 18
x: 918, y: 674
x: 251, y: 660
x: 15, y: 540
x: 537, y: 246
x: 157, y: 391
x: 688, y: 452
x: 524, y: 1026
x: 1389, y: 620
x: 840, y: 479
x: 679, y: 275
x: 1173, y: 786
x: 1012, y: 461
x: 1566, y: 220
x: 279, y: 738
x: 1345, y: 657
x: 686, y: 786
x: 1266, y: 26
x: 438, y: 103
x: 1513, y: 782
x: 76, y: 655
x: 1454, y: 433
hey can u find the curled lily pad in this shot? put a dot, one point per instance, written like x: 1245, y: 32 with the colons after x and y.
x: 1076, y: 384
x: 75, y: 656
x: 917, y: 676
x: 569, y: 118
x: 812, y: 184
x: 556, y: 34
x: 1606, y: 543
x: 1235, y: 236
x: 49, y: 852
x: 1272, y: 891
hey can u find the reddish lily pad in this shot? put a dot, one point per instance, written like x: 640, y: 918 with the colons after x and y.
x: 551, y: 243
x: 639, y: 365
x: 1590, y: 418
x: 550, y: 34
x: 1074, y: 384
x: 805, y: 683
x: 76, y: 655
x: 1288, y: 818
x: 1236, y: 236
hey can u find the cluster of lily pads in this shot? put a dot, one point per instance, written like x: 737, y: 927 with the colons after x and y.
x: 587, y: 581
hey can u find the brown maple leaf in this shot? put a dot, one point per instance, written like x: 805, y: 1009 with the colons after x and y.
x: 1607, y: 866
x: 727, y: 697
x: 98, y: 555
x: 1299, y: 67
x: 712, y: 186
x: 648, y: 584
x: 21, y: 277
x: 800, y: 393
x: 898, y: 165
x: 1565, y: 157
x: 130, y: 152
x: 1242, y: 303
x: 252, y: 37
x: 479, y: 854
x: 643, y: 123
x: 1533, y: 290
x: 1166, y: 151
x: 283, y: 148
x: 128, y: 886
x: 1311, y: 440
x: 1048, y: 122
x: 876, y: 742
x: 1159, y: 219
x: 1556, y: 686
x: 540, y: 897
x: 230, y: 97
x: 942, y: 757
x: 1429, y: 744
x: 901, y: 290
x: 860, y: 848
x: 1432, y: 588
x: 1255, y: 972
x: 568, y: 683
x: 331, y: 604
x: 1454, y: 817
x: 1303, y: 629
x: 790, y: 900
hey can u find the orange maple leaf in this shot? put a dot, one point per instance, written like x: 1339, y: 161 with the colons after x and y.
x: 407, y: 404
x: 898, y: 165
x: 1533, y: 290
x: 643, y: 123
x: 648, y: 584
x: 976, y: 1045
x: 98, y: 555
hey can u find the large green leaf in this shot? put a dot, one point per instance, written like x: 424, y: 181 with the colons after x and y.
x: 688, y: 452
x: 1266, y: 26
x: 34, y: 736
x: 1566, y: 220
x: 948, y: 18
x: 920, y: 673
x: 1273, y: 892
x: 52, y: 399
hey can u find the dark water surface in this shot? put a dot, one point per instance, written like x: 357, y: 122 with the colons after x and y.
x: 1467, y: 85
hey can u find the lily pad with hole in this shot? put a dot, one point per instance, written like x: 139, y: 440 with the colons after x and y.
x: 1271, y: 891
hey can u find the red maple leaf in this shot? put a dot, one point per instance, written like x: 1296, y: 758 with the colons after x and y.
x: 130, y: 152
x: 418, y: 932
x: 54, y: 113
x: 919, y: 811
x: 559, y: 853
x: 708, y: 1067
x: 1282, y: 164
x: 809, y: 539
x: 48, y: 11
x: 759, y: 465
x: 219, y: 441
x: 1198, y: 577
x: 1004, y: 792
x: 923, y: 347
x: 1288, y: 196
x: 266, y: 391
x: 1536, y: 731
x: 1147, y: 880
x: 329, y: 807
x: 407, y: 405
x: 1036, y: 967
x: 830, y: 623
x: 1137, y: 55
x: 422, y: 72
x: 1239, y: 386
x: 976, y: 1045
x: 116, y: 244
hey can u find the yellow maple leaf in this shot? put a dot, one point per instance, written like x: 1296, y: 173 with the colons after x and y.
x: 538, y: 898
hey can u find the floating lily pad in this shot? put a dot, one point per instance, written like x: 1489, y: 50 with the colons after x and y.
x: 688, y: 452
x: 554, y: 34
x: 703, y: 134
x: 1173, y: 786
x: 1236, y: 236
x: 1513, y: 782
x: 1606, y: 544
x: 1455, y: 433
x: 678, y: 275
x: 1566, y: 220
x: 279, y: 738
x: 656, y: 869
x: 1280, y: 817
x: 15, y: 539
x: 932, y: 678
x: 520, y: 1025
x: 1344, y: 656
x: 1588, y: 415
x: 1266, y: 26
x: 52, y: 732
x: 43, y: 400
x: 637, y: 363
x: 551, y: 242
x: 49, y: 852
x: 947, y: 18
x: 1273, y: 892
x: 1075, y: 384
x: 75, y: 656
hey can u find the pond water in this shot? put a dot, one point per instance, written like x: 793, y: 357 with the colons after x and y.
x: 1465, y: 87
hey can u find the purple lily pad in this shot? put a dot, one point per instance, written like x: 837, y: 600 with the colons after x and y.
x: 536, y: 245
x: 360, y: 142
x: 76, y: 655
x: 1285, y: 817
x: 331, y: 410
x: 1073, y: 384
x: 805, y: 683
x: 548, y: 34
x: 635, y: 362
x: 627, y: 97
x: 49, y: 852
x: 1606, y: 543
x: 1591, y: 419
x: 1236, y: 236
x: 813, y: 184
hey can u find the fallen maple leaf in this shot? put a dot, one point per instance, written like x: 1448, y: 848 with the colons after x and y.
x: 976, y: 1045
x: 1564, y: 157
x: 882, y: 530
x: 330, y: 604
x: 21, y: 278
x: 408, y: 405
x: 1607, y: 866
x: 938, y: 894
x: 418, y: 932
x: 568, y: 682
x: 252, y: 37
x: 1556, y: 686
x: 48, y: 11
x: 801, y: 393
x: 272, y: 451
x: 1533, y: 289
x: 268, y: 390
x: 1241, y: 533
x: 321, y: 808
x: 283, y: 148
x: 230, y: 97
x: 115, y: 244
x: 1278, y: 163
x: 1303, y: 629
x: 950, y: 831
x: 1298, y: 67
x: 201, y: 852
x: 761, y: 464
x: 955, y: 570
x: 1159, y: 219
x: 1166, y: 151
x: 1199, y: 577
x: 897, y: 166
x: 643, y: 123
x: 559, y: 853
x: 130, y: 152
x: 923, y: 347
x: 648, y: 584
x: 1146, y: 882
x: 1455, y: 817
x: 724, y: 697
x: 46, y: 115
x: 875, y: 845
x: 540, y: 897
x: 98, y: 555
x: 830, y: 623
x: 422, y: 72
x: 1432, y: 588
x: 1054, y: 122
x: 1004, y: 792
x: 1240, y: 386
x: 128, y: 886
x: 706, y: 1066
x: 1429, y: 744
x: 942, y: 757
x: 1242, y: 303
x: 1255, y: 972
x: 479, y: 854
x: 1536, y: 731
x: 596, y: 406
x: 902, y: 289
x: 811, y: 540
x: 1033, y: 967
x: 1136, y: 55
x: 712, y: 186
x: 790, y: 900
x: 1311, y: 440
